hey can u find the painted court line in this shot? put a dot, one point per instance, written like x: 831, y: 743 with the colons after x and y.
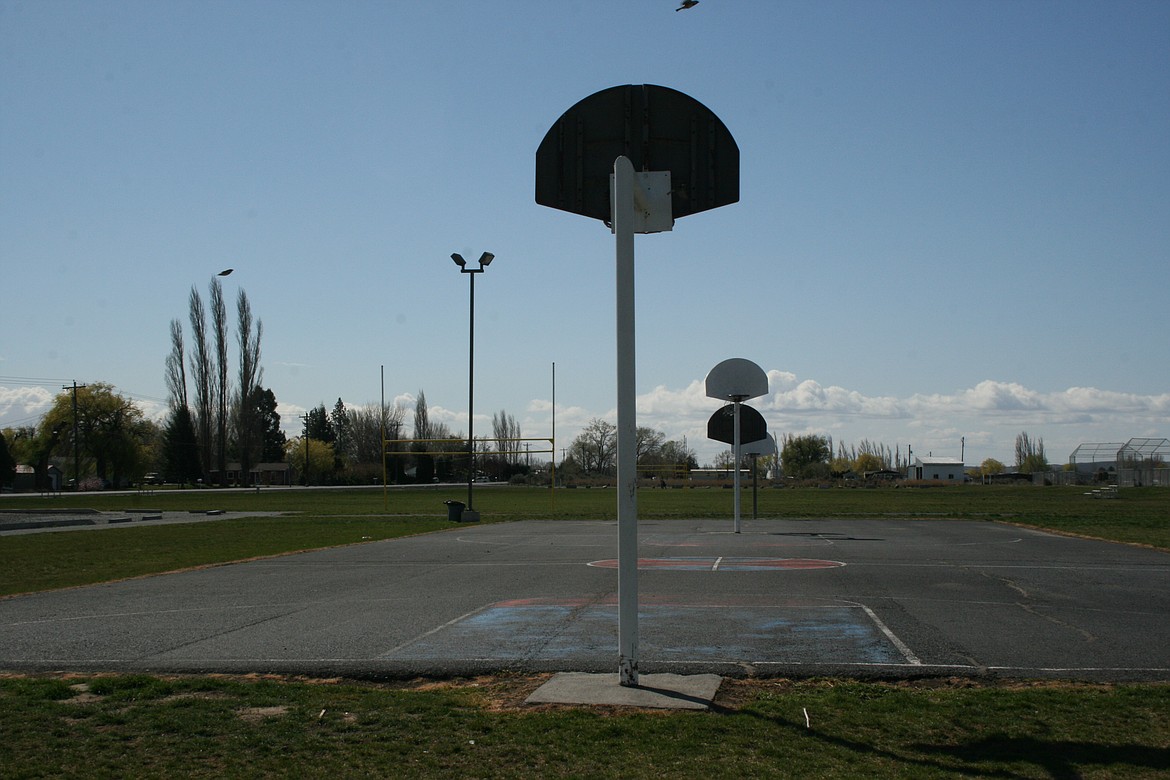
x: 435, y: 630
x: 898, y: 643
x: 723, y: 563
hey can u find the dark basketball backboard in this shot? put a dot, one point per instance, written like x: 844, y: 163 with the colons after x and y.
x: 658, y: 129
x: 721, y: 425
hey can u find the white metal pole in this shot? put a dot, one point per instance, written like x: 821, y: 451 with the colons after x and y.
x: 627, y: 507
x: 735, y: 438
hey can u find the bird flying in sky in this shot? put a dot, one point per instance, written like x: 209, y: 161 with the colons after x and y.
x: 686, y: 4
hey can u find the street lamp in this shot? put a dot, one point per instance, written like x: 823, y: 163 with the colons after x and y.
x: 484, y: 261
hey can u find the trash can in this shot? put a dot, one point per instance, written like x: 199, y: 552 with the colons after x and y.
x: 455, y: 510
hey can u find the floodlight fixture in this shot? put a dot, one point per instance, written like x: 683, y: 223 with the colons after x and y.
x: 459, y: 261
x: 486, y: 259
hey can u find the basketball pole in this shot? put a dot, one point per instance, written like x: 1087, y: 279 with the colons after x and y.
x: 736, y: 456
x: 627, y: 506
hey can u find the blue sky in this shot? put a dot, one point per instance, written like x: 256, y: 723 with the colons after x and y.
x: 954, y: 217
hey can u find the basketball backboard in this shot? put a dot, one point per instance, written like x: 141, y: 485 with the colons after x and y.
x: 736, y: 379
x: 752, y: 427
x: 658, y: 129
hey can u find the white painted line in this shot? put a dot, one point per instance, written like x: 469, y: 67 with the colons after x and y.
x: 154, y: 612
x: 435, y: 630
x: 718, y: 561
x: 898, y: 643
x: 1144, y: 568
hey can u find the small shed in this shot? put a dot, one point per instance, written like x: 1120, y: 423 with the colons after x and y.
x: 937, y: 469
x: 26, y: 479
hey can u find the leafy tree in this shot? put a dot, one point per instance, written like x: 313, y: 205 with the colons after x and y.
x: 991, y: 466
x: 867, y: 461
x: 32, y: 447
x: 112, y: 430
x: 806, y: 457
x: 180, y: 448
x: 318, y: 425
x: 342, y: 433
x: 839, y: 467
x: 272, y: 438
x: 319, y: 459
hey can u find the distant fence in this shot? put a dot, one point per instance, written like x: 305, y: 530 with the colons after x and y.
x: 1151, y: 477
x: 1143, y: 477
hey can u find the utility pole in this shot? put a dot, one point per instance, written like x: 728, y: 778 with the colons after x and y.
x: 305, y: 417
x: 76, y: 451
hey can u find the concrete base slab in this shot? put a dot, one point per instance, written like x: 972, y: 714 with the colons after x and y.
x: 658, y: 691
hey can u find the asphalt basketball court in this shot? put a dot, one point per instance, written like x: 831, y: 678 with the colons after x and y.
x: 864, y: 598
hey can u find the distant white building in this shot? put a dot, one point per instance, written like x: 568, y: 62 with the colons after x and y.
x: 937, y: 469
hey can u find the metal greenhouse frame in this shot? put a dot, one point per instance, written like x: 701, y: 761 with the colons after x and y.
x: 1142, y: 462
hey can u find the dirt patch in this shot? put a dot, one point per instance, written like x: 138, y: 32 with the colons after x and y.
x: 82, y: 695
x: 260, y: 714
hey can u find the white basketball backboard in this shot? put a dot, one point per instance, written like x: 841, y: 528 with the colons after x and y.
x: 736, y: 379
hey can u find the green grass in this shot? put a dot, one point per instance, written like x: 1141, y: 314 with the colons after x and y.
x: 66, y: 558
x: 326, y: 518
x: 143, y: 726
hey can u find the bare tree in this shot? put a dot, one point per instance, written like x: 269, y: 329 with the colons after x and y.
x: 1030, y: 456
x: 423, y: 429
x: 422, y: 424
x: 648, y: 444
x: 595, y: 448
x: 203, y: 377
x: 176, y: 372
x: 222, y: 385
x: 506, y: 431
x: 248, y: 432
x: 366, y: 427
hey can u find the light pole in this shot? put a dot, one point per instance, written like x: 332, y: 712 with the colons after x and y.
x: 484, y: 261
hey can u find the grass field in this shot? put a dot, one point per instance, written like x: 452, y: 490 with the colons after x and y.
x: 145, y: 726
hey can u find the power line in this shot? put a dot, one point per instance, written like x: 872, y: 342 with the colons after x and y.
x: 32, y: 380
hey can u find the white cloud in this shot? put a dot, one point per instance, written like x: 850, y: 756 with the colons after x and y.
x: 983, y: 420
x: 23, y: 405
